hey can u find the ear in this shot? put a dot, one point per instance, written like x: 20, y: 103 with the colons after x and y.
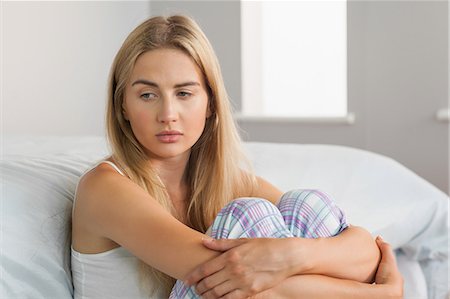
x: 208, y: 112
x: 124, y: 112
x: 208, y: 109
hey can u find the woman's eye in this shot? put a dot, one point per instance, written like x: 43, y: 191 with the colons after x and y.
x: 148, y: 96
x: 184, y: 94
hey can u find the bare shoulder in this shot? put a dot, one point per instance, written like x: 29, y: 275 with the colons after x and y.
x: 90, y: 180
x: 101, y: 191
x: 96, y: 183
x: 119, y: 210
x: 93, y: 200
x: 265, y: 189
x: 100, y: 180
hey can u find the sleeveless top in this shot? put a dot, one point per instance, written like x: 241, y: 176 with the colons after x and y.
x: 109, y: 274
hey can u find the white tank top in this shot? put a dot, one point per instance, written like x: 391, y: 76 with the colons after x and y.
x: 109, y: 274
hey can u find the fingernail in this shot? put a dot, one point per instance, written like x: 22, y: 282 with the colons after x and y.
x: 379, y: 237
x: 207, y: 239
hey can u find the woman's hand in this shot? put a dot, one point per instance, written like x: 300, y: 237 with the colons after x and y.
x: 245, y: 268
x: 388, y: 276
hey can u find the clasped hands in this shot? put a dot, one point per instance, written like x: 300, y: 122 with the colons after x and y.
x: 248, y: 267
x: 245, y: 268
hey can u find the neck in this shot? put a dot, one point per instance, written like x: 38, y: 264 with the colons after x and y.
x: 171, y: 173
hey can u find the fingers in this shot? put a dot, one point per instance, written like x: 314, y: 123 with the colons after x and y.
x: 236, y: 294
x: 388, y: 273
x: 387, y: 255
x: 218, y: 291
x: 214, y: 283
x: 222, y: 244
x: 205, y: 270
x: 215, y: 264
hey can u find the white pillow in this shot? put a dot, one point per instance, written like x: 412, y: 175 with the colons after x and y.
x: 38, y: 182
x: 375, y: 191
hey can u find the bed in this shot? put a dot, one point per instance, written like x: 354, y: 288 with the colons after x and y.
x: 39, y: 175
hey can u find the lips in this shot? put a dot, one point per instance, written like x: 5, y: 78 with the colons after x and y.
x: 170, y: 136
x: 171, y: 132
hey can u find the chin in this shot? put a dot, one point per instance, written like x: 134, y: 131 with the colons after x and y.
x: 168, y: 152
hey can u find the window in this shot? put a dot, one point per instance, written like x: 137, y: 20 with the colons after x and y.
x: 294, y: 59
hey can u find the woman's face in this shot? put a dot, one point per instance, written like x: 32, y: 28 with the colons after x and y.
x: 166, y: 103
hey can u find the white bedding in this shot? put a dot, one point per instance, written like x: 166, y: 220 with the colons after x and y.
x: 378, y: 194
x: 39, y: 175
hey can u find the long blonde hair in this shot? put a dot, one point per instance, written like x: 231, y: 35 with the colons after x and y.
x: 215, y: 171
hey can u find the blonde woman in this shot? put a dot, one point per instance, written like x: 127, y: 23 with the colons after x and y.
x: 147, y: 215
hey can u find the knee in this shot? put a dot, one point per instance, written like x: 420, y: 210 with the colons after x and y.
x: 316, y: 210
x: 249, y: 218
x: 249, y: 205
x: 307, y: 197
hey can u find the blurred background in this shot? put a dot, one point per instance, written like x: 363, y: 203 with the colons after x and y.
x: 382, y: 65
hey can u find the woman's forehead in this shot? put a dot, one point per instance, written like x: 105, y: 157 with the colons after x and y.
x: 171, y: 66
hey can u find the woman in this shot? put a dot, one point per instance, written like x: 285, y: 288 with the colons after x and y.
x: 141, y: 217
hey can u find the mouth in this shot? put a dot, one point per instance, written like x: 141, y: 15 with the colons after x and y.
x: 169, y: 136
x: 169, y: 133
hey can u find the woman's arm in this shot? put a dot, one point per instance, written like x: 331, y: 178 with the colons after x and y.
x: 389, y: 283
x: 112, y: 206
x: 254, y: 265
x: 353, y: 254
x: 324, y: 287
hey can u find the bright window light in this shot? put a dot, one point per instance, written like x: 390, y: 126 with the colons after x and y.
x: 294, y: 58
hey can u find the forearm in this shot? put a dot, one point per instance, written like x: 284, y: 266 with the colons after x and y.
x: 353, y: 255
x: 312, y: 286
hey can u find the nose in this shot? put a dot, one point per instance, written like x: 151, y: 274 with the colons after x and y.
x: 167, y: 112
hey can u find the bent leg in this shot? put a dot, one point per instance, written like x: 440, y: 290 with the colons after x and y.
x: 249, y: 218
x: 241, y: 218
x: 311, y: 214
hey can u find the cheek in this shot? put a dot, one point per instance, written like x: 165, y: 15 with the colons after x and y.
x: 141, y: 120
x: 200, y: 116
x: 200, y: 124
x: 194, y: 122
x: 143, y: 115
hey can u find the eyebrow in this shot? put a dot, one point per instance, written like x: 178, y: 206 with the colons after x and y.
x: 151, y: 83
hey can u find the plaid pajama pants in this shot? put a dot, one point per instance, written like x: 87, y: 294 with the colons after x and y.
x: 299, y: 213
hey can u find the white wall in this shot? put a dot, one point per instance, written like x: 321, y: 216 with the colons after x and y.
x: 56, y: 61
x: 398, y: 78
